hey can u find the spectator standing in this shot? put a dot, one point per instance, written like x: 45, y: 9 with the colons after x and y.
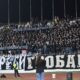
x: 40, y: 65
x: 15, y: 67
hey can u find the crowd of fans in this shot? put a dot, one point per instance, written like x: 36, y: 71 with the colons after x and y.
x: 59, y: 36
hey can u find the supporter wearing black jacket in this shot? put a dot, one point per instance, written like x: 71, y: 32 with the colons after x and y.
x: 40, y: 65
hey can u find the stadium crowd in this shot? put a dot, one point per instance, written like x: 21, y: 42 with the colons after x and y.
x: 59, y: 36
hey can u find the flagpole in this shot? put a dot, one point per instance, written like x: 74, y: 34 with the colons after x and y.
x: 30, y: 11
x: 8, y: 13
x: 52, y: 9
x: 76, y: 8
x: 64, y: 9
x: 19, y: 12
x: 41, y: 10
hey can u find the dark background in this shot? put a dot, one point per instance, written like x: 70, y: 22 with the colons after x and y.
x: 36, y: 9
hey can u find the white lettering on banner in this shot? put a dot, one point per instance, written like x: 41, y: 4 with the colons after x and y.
x: 22, y: 62
x: 59, y: 61
x: 49, y: 61
x: 2, y: 61
x: 56, y: 61
x: 29, y: 62
x: 16, y: 59
x: 8, y: 63
x: 70, y: 61
x: 78, y: 61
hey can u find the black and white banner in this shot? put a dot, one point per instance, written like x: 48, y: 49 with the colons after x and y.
x: 52, y: 62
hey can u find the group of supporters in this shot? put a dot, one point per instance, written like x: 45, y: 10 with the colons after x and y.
x: 58, y: 36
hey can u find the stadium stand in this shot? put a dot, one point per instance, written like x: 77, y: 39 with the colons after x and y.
x: 59, y: 36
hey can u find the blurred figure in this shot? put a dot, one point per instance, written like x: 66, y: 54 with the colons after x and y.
x: 16, y: 73
x: 40, y: 65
